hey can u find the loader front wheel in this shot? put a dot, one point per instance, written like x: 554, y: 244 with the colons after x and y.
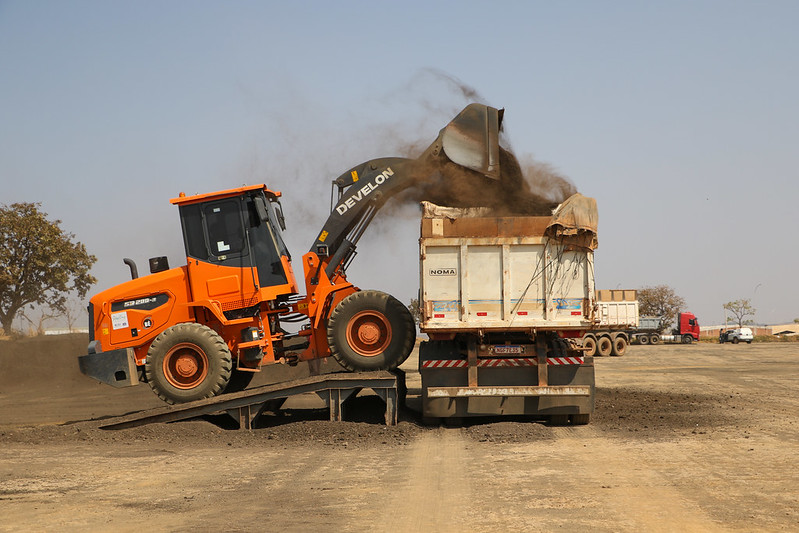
x: 188, y: 362
x: 370, y: 330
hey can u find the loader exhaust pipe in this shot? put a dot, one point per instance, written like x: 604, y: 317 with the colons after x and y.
x: 471, y: 140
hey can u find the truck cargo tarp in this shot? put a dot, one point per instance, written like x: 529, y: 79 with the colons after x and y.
x: 431, y: 210
x: 575, y: 222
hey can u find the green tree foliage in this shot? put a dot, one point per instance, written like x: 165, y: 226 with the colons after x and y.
x: 39, y: 263
x: 740, y: 309
x: 660, y: 301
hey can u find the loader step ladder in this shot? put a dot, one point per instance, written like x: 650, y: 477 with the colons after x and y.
x: 247, y: 405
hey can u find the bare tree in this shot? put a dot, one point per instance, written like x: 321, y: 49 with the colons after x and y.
x: 37, y: 320
x: 740, y: 309
x: 660, y: 301
x: 73, y: 312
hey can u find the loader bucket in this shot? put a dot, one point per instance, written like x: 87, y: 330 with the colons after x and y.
x: 471, y: 139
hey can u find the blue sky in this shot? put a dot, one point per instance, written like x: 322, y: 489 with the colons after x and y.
x: 680, y: 118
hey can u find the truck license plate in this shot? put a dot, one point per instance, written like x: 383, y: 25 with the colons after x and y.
x: 506, y: 349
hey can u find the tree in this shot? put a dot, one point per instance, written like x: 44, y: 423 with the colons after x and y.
x: 740, y: 309
x: 416, y: 311
x: 39, y: 262
x: 660, y: 301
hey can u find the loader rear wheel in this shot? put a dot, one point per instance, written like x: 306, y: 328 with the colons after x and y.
x: 370, y: 330
x: 188, y: 362
x: 604, y: 346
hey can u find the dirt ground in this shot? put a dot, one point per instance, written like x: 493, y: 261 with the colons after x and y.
x: 689, y: 438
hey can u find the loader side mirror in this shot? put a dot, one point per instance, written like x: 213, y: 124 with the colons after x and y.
x: 260, y: 208
x: 279, y: 215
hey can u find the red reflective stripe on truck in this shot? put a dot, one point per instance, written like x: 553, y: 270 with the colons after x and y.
x: 495, y: 363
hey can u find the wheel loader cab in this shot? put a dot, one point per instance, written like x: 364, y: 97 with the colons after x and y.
x: 235, y: 252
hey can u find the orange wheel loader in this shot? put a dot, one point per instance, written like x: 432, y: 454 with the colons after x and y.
x: 202, y: 329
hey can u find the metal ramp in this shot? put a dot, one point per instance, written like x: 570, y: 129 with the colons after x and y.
x: 247, y: 405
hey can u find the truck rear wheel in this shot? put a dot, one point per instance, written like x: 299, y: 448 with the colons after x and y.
x: 581, y: 420
x: 589, y: 346
x: 188, y: 362
x: 654, y: 339
x: 604, y: 346
x: 643, y: 339
x: 619, y: 346
x: 370, y: 330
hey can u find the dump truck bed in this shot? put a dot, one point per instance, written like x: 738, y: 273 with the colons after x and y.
x: 482, y: 272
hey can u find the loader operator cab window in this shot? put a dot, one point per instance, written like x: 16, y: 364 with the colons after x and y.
x: 230, y: 232
x: 213, y: 231
x: 225, y: 231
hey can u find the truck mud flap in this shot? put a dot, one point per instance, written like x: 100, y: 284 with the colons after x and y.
x: 116, y: 368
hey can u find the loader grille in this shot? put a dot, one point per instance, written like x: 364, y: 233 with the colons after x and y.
x: 240, y: 304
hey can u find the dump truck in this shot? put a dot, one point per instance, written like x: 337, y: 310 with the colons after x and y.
x: 204, y: 328
x: 505, y: 302
x: 620, y: 325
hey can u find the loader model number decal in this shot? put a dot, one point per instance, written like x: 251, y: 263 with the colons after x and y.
x: 364, y: 191
x: 443, y: 272
x: 148, y: 303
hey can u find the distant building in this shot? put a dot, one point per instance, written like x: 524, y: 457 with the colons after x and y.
x: 65, y: 331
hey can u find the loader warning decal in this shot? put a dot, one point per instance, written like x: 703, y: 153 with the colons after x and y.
x: 119, y: 320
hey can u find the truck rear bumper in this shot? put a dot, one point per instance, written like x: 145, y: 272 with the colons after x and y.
x: 116, y: 367
x: 467, y: 392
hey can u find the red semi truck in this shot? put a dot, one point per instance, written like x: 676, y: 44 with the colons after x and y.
x: 619, y: 325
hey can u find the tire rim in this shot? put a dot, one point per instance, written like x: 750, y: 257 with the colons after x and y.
x: 185, y: 366
x: 369, y: 333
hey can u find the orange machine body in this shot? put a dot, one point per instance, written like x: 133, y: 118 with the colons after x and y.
x: 226, y: 293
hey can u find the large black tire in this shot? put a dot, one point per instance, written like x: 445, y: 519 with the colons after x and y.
x: 370, y: 330
x: 604, y: 346
x: 619, y: 346
x: 188, y: 362
x: 687, y: 339
x: 589, y: 345
x: 654, y: 339
x: 643, y: 339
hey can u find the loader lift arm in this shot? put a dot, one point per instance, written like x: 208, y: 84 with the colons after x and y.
x: 470, y: 140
